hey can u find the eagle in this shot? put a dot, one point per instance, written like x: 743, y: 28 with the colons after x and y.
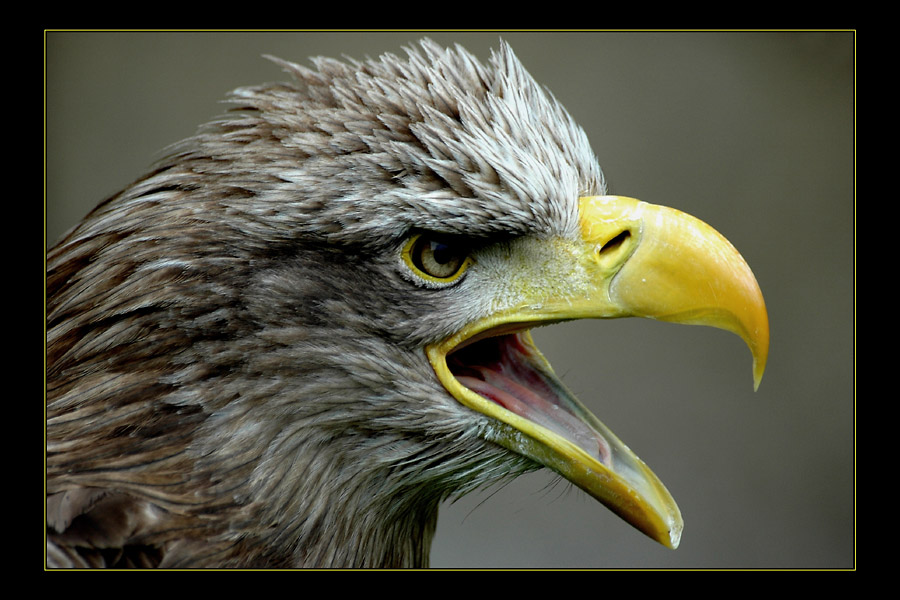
x: 309, y: 325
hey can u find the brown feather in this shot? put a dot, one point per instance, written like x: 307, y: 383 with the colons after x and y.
x: 235, y: 373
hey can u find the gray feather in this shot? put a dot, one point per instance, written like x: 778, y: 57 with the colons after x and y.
x: 235, y: 374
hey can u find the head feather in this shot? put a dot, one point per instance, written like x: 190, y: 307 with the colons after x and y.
x: 363, y: 150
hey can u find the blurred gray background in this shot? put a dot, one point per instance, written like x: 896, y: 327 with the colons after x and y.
x: 751, y: 132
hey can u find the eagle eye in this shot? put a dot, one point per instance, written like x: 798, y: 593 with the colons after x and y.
x: 436, y: 259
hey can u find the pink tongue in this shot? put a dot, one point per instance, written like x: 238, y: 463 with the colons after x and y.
x: 500, y: 383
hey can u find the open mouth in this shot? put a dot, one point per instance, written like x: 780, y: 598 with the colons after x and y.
x: 509, y: 371
x: 499, y: 372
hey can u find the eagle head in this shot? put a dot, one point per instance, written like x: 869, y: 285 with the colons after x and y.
x: 308, y: 326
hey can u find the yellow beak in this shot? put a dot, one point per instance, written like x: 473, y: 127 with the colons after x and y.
x: 667, y: 265
x: 633, y: 259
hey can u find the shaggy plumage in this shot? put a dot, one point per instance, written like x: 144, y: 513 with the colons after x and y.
x: 235, y: 374
x: 307, y: 327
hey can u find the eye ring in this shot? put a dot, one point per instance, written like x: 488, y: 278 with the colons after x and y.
x: 436, y: 259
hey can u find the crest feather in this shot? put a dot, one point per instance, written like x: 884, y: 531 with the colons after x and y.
x: 363, y: 151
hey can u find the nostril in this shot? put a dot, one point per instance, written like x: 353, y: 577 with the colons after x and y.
x: 614, y: 244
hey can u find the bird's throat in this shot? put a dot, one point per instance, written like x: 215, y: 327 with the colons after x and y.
x: 498, y: 372
x: 508, y: 370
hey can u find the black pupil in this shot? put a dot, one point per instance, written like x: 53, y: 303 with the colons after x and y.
x: 442, y: 253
